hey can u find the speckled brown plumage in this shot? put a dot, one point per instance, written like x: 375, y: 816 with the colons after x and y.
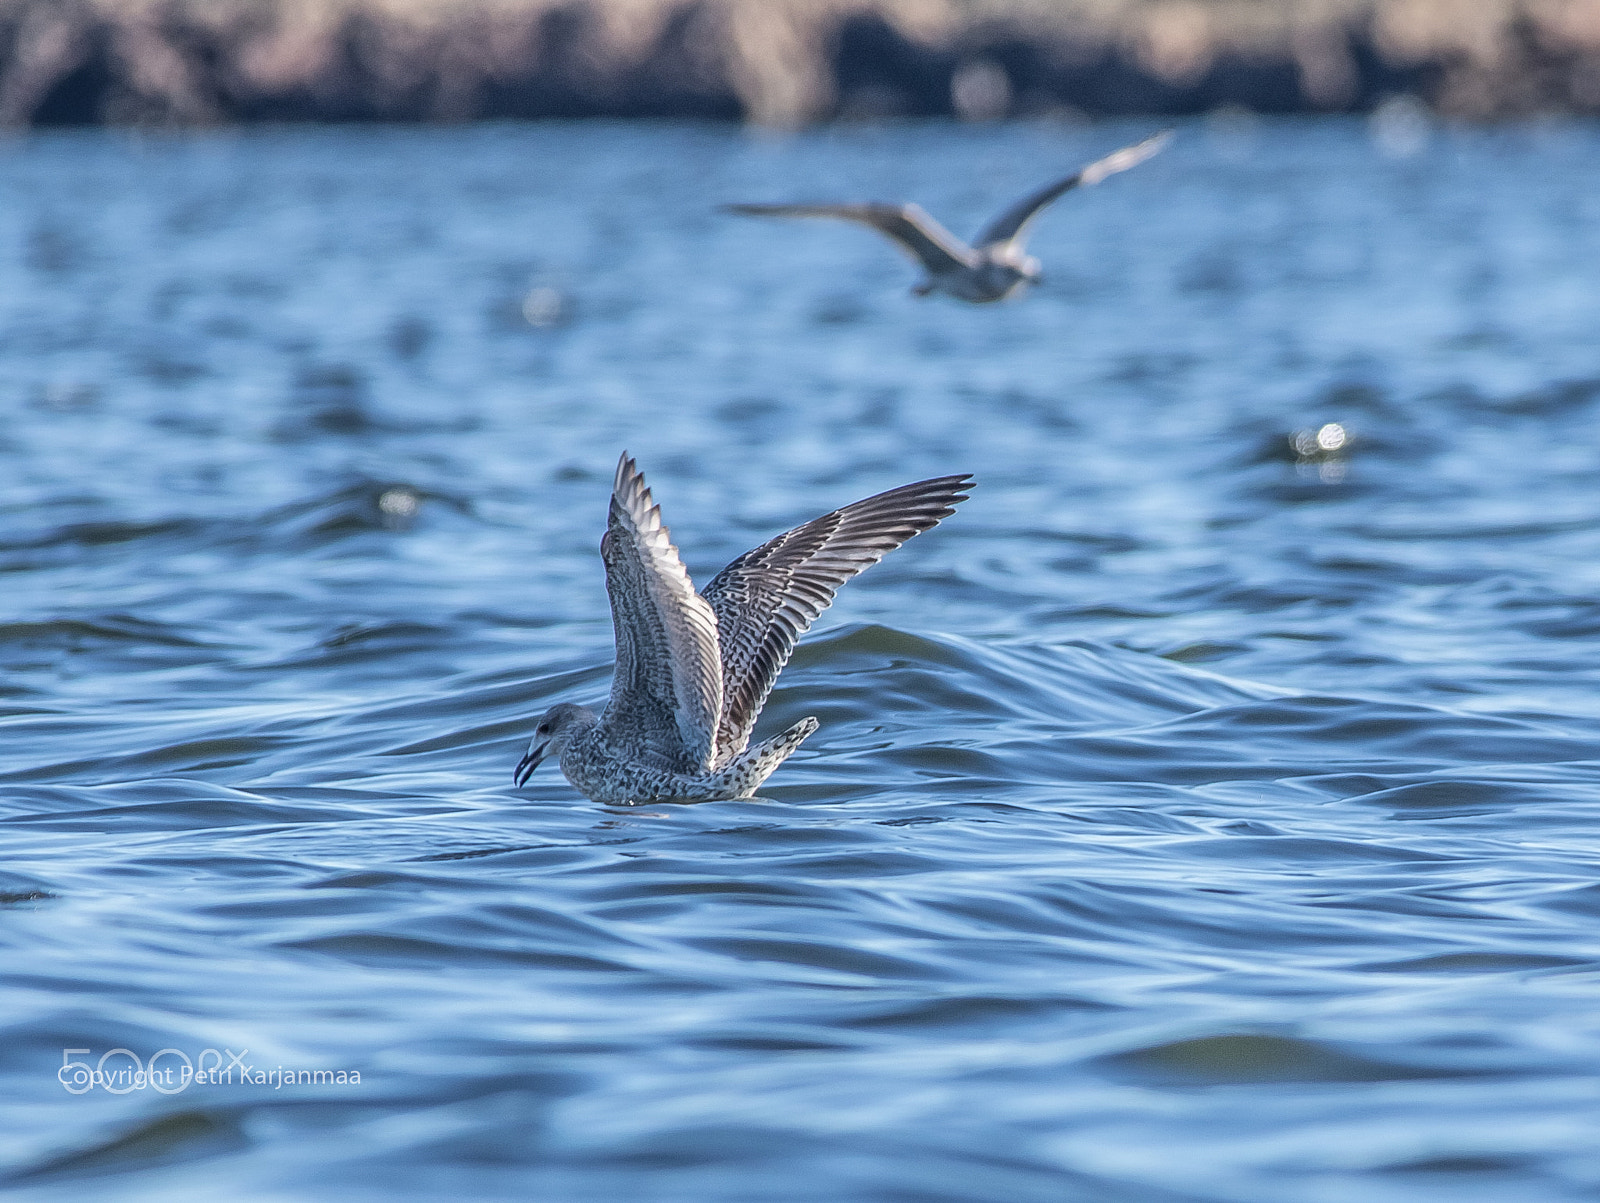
x: 694, y: 669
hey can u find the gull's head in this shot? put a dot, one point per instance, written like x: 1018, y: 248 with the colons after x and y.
x: 557, y: 728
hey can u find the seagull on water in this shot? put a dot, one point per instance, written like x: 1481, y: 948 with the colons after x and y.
x: 998, y: 265
x: 694, y: 669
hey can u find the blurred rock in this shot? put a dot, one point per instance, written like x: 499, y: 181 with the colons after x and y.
x: 781, y: 62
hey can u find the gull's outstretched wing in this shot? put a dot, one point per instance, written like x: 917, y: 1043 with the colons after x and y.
x: 767, y: 598
x: 935, y: 247
x: 1009, y: 225
x: 666, y: 696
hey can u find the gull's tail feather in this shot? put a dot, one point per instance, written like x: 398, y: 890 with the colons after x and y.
x: 748, y: 772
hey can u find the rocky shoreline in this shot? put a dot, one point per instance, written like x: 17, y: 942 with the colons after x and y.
x: 781, y: 62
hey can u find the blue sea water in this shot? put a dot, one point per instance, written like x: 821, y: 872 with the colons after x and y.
x: 1202, y: 813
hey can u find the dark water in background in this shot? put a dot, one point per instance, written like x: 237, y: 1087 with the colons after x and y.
x: 1187, y: 822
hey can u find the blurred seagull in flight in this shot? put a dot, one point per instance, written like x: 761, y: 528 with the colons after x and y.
x: 998, y: 265
x: 694, y: 669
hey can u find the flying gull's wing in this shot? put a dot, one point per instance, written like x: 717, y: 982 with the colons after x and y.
x: 1009, y: 225
x: 932, y: 245
x: 767, y: 598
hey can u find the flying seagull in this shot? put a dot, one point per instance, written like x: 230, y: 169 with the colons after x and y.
x: 997, y: 265
x: 694, y: 669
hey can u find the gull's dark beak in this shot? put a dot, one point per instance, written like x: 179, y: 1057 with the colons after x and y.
x: 528, y: 763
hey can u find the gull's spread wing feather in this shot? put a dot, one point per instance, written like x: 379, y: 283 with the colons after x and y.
x: 767, y: 598
x: 666, y: 696
x: 1010, y: 224
x: 938, y: 250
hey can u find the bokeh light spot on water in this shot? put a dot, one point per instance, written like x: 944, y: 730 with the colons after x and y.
x: 544, y: 306
x: 1401, y: 126
x: 1319, y: 442
x: 67, y: 396
x: 1320, y: 452
x: 399, y: 506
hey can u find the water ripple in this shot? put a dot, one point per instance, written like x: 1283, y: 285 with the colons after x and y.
x: 1207, y: 812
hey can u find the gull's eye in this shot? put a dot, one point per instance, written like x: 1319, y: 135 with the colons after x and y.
x: 544, y: 729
